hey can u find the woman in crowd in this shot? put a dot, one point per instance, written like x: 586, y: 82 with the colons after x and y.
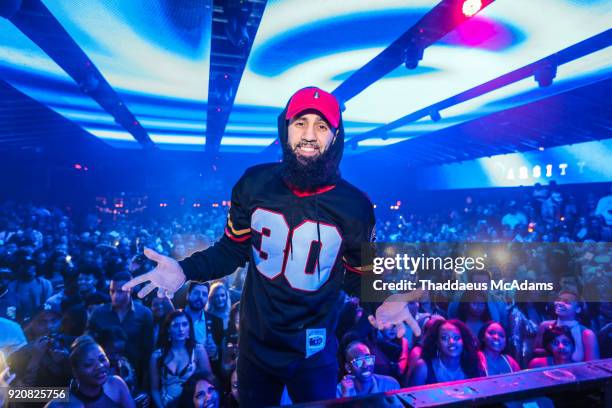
x: 415, y: 352
x: 176, y: 359
x: 567, y: 309
x: 200, y: 391
x: 493, y: 355
x: 219, y: 303
x: 449, y: 353
x: 92, y: 386
x: 559, y: 343
x: 231, y: 397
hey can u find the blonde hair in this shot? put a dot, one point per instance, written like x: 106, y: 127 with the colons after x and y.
x: 211, y: 308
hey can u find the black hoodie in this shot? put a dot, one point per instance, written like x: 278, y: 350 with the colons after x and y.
x: 303, y: 248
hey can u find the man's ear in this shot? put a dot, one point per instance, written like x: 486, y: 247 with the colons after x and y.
x: 348, y: 367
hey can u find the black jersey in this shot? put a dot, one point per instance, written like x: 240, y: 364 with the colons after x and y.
x: 302, y: 249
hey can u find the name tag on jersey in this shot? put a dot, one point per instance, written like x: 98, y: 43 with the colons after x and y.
x: 315, y: 341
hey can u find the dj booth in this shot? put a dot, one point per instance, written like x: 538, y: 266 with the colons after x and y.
x: 583, y: 385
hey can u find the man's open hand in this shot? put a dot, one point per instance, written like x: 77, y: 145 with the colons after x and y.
x: 167, y: 276
x: 395, y: 310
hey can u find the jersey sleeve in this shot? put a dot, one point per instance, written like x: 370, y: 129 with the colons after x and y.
x: 353, y: 258
x: 238, y: 225
x: 232, y: 250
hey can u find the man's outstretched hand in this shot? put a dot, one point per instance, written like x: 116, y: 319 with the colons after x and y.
x: 167, y: 276
x: 395, y: 310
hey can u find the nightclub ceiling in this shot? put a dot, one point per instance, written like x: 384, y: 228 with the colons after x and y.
x: 201, y: 74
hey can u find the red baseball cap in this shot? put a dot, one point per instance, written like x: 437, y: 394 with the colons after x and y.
x: 317, y: 99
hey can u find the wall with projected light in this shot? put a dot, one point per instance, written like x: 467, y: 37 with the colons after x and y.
x: 581, y: 163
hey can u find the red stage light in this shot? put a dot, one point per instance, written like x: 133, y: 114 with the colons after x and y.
x: 78, y: 166
x: 471, y: 7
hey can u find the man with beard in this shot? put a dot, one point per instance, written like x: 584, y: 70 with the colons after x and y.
x: 360, y: 378
x: 135, y: 319
x: 300, y: 226
x: 197, y: 296
x: 203, y: 323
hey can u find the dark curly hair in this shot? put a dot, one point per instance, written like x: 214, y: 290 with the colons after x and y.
x: 469, y: 355
x: 186, y: 398
x: 164, y: 342
x: 554, y: 331
x: 483, y: 330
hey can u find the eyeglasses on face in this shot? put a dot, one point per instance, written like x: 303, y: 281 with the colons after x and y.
x: 361, y: 361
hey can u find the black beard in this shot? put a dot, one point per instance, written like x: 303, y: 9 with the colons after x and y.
x: 310, y: 173
x: 194, y: 308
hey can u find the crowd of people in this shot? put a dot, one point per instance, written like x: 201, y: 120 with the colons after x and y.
x: 65, y: 320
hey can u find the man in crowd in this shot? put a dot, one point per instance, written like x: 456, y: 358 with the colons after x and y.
x: 135, y: 319
x: 203, y: 323
x: 88, y: 279
x: 360, y: 378
x: 30, y: 290
x: 197, y: 296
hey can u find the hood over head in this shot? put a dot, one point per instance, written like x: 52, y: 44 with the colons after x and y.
x: 325, y: 170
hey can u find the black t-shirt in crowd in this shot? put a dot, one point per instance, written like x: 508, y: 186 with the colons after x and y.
x: 298, y: 246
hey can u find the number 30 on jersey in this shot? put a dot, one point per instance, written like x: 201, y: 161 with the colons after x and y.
x: 300, y: 267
